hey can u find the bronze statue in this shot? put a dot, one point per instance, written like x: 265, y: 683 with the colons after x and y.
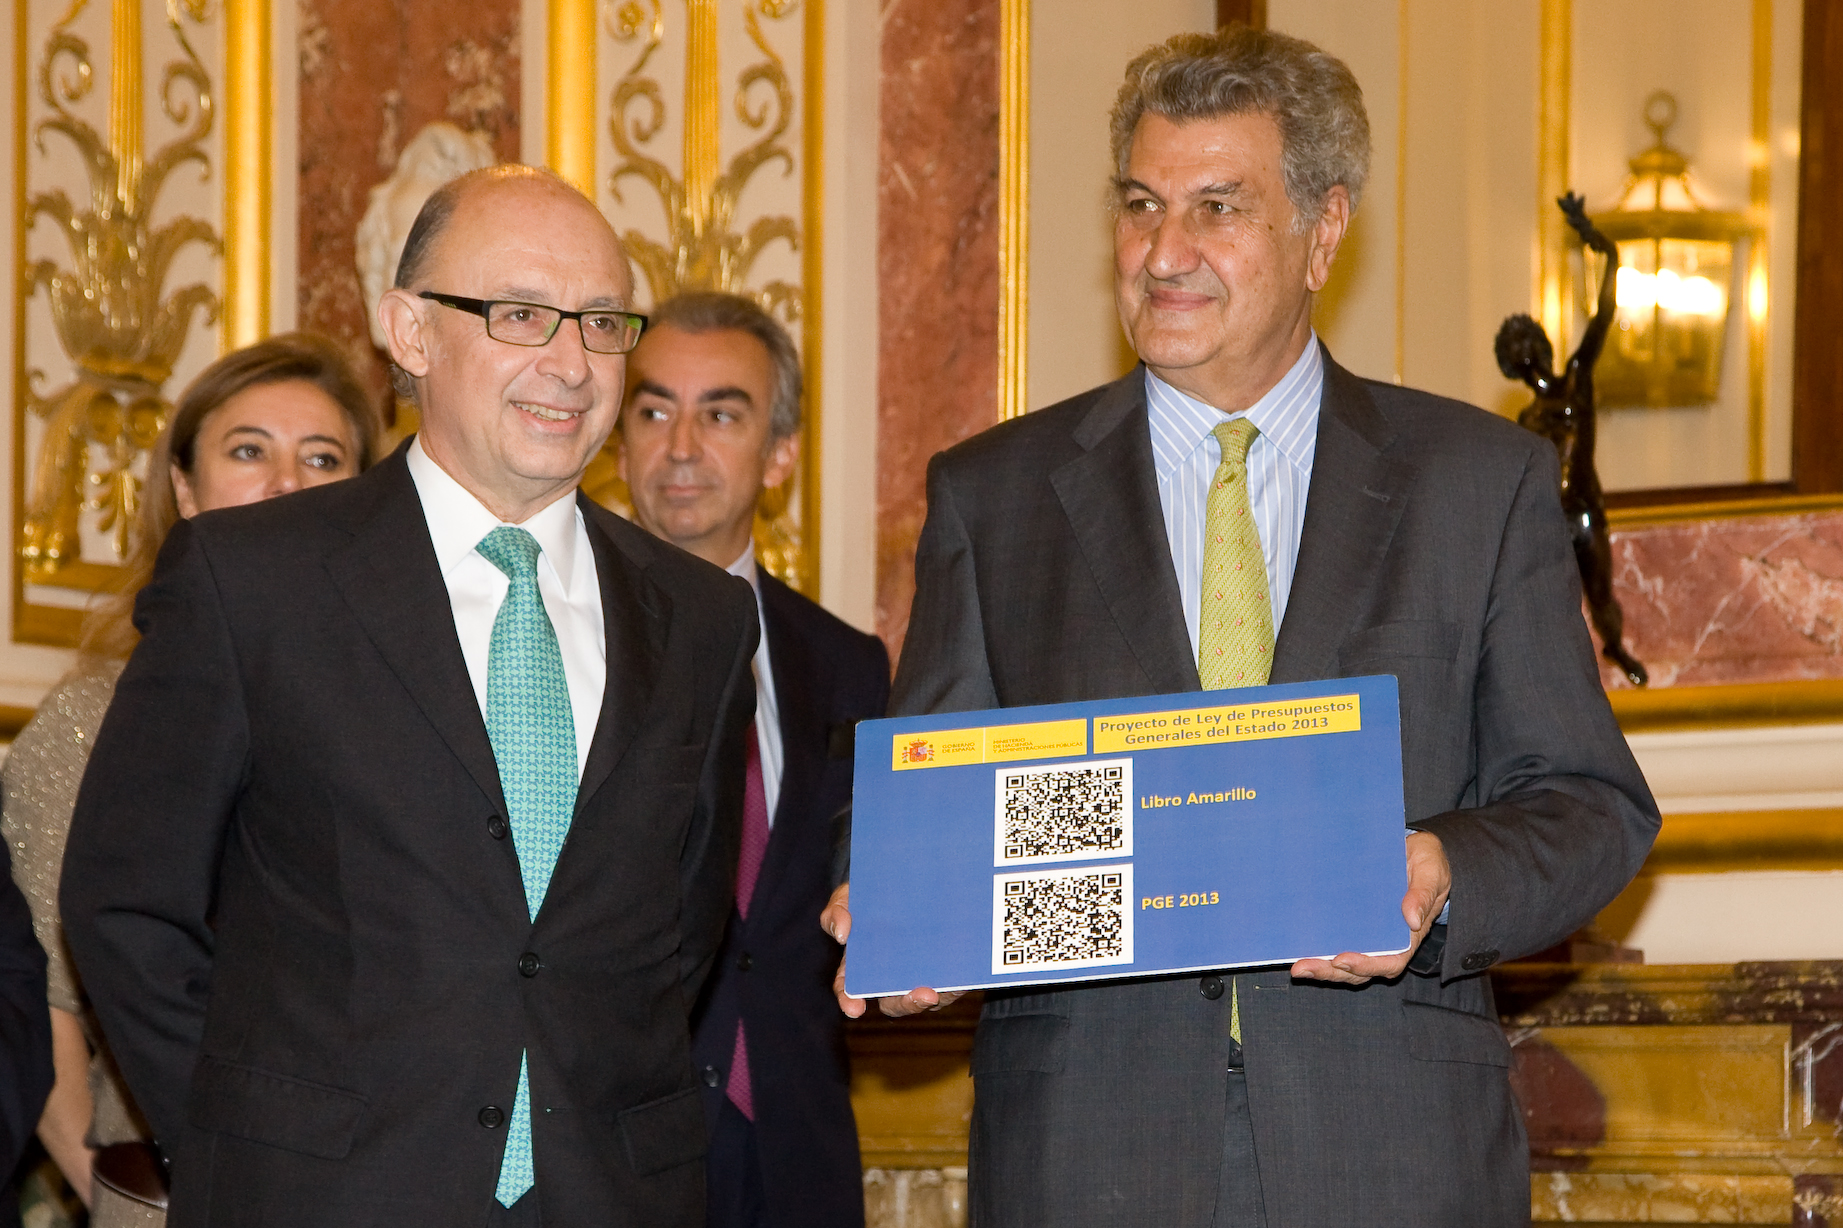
x: 1563, y: 412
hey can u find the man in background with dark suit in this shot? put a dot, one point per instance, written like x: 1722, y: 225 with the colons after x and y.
x: 409, y: 838
x: 710, y: 424
x: 1241, y: 510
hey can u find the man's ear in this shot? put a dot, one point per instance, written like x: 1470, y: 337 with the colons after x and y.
x: 783, y: 455
x: 401, y: 317
x: 1327, y: 234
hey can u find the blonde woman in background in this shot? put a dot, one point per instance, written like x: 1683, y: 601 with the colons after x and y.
x: 262, y: 421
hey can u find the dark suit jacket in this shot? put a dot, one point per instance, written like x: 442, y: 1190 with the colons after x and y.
x: 776, y: 968
x: 291, y: 896
x: 1434, y: 550
x: 25, y: 1033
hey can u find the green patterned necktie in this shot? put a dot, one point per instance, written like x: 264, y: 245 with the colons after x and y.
x: 534, y: 742
x: 1235, y: 626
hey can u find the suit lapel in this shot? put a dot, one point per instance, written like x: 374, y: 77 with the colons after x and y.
x: 1110, y: 495
x: 1356, y: 499
x: 802, y: 731
x: 390, y: 579
x: 634, y: 618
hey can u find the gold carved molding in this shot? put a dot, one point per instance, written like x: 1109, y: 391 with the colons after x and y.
x: 248, y: 171
x: 1013, y: 208
x: 1760, y: 201
x: 704, y: 246
x: 1724, y: 509
x: 812, y: 271
x: 117, y: 328
x: 117, y: 324
x: 569, y: 147
x: 1403, y: 89
x: 1554, y: 96
x: 1810, y: 702
x: 1726, y: 841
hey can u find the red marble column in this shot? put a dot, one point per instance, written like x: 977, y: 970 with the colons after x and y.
x: 937, y: 264
x: 373, y: 72
x: 1748, y: 599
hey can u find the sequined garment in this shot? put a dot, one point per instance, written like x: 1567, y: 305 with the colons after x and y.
x: 39, y: 785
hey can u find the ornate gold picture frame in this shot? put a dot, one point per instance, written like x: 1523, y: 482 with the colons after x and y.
x: 118, y: 323
x: 703, y: 244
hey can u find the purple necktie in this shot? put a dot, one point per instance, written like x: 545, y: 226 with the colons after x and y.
x: 748, y: 869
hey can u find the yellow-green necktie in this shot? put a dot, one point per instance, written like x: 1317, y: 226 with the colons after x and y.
x: 1235, y: 631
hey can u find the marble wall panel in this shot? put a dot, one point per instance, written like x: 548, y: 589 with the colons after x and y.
x: 1749, y: 599
x: 937, y: 264
x: 373, y: 73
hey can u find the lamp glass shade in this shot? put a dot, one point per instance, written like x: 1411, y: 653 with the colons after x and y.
x: 1668, y: 337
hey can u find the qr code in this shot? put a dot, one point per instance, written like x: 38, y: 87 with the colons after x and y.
x: 1068, y: 813
x: 1069, y: 917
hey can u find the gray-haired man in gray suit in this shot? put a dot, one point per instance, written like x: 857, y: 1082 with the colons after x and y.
x: 1402, y: 534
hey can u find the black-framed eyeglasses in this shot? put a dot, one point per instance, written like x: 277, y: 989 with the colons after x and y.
x: 604, y: 331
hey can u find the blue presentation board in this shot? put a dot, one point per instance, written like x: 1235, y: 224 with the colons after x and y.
x: 1128, y: 837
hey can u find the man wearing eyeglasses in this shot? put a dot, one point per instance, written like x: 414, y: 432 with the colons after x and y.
x: 409, y: 840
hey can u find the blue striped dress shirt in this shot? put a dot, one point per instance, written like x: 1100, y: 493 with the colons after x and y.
x: 1185, y: 455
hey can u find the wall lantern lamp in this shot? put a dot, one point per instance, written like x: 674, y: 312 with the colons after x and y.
x: 1676, y: 260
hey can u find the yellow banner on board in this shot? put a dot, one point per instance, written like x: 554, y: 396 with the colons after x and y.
x: 993, y: 744
x: 1286, y: 718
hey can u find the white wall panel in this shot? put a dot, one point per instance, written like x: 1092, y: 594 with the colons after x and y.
x: 1078, y: 53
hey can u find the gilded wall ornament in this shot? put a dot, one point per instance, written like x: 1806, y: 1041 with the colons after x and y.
x: 120, y: 332
x: 703, y: 248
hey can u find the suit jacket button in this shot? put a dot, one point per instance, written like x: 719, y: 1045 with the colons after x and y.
x: 711, y: 1076
x: 496, y: 827
x: 528, y: 964
x: 491, y: 1117
x: 1478, y: 960
x: 744, y: 962
x: 1211, y: 987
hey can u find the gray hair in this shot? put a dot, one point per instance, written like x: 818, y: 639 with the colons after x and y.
x: 1324, y: 130
x: 709, y: 311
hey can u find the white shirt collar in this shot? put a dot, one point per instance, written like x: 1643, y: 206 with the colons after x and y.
x: 745, y: 567
x: 1287, y: 414
x: 458, y: 521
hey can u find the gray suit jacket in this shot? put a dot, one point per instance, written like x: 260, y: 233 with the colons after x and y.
x: 1433, y: 549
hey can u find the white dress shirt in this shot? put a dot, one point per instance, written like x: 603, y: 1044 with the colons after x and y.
x: 572, y: 593
x: 767, y: 712
x: 1185, y: 456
